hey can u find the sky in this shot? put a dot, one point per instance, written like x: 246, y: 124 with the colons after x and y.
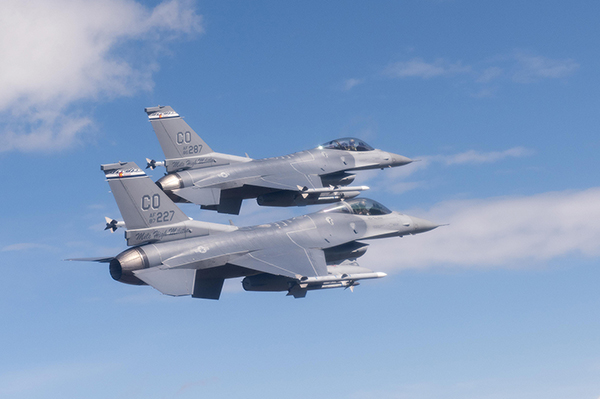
x: 497, y: 100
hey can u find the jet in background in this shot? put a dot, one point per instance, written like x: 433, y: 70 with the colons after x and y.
x: 179, y: 256
x: 221, y: 182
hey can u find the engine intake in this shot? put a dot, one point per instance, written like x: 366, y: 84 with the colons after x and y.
x: 338, y: 179
x: 350, y: 250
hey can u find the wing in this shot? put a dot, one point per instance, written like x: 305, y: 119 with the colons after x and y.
x: 290, y: 261
x: 177, y: 276
x: 208, y: 192
x: 293, y: 182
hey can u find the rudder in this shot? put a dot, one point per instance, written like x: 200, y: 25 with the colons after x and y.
x: 141, y: 202
x: 176, y: 137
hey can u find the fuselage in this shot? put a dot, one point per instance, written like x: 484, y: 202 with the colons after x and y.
x: 317, y: 167
x: 327, y: 229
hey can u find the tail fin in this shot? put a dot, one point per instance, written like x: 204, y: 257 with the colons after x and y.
x: 176, y: 137
x: 141, y: 202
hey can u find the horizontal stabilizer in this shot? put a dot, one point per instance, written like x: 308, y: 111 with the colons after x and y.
x: 175, y: 282
x: 106, y: 259
x: 178, y: 282
x: 199, y: 196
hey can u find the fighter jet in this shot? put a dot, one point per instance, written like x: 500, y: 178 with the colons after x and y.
x: 179, y: 256
x: 220, y: 182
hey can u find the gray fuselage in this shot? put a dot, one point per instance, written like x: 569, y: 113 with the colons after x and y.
x: 322, y: 230
x: 311, y: 168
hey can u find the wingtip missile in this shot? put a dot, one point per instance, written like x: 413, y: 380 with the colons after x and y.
x: 152, y: 164
x: 112, y: 224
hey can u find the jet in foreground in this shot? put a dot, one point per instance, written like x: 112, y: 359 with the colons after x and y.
x: 180, y: 256
x: 220, y: 182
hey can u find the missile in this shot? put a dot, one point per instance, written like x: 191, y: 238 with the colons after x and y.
x: 330, y: 190
x: 299, y: 290
x: 306, y: 281
x: 270, y: 282
x: 152, y: 164
x: 112, y: 224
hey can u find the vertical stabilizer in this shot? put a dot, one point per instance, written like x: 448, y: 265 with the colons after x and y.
x: 176, y: 137
x: 141, y: 202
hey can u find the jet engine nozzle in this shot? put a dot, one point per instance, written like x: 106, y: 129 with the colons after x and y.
x: 122, y: 266
x: 170, y: 182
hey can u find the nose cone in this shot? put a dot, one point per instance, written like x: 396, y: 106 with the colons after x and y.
x: 398, y: 160
x: 422, y: 225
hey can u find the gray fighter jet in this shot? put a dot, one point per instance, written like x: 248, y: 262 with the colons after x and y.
x: 180, y: 256
x: 220, y: 182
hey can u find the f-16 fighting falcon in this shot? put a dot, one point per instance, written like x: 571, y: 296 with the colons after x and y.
x: 180, y: 256
x: 220, y: 182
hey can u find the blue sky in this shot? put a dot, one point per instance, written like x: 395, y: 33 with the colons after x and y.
x: 498, y: 100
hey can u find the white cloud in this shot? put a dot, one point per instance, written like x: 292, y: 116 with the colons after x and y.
x: 26, y: 246
x: 394, y: 180
x: 27, y: 382
x: 417, y: 67
x: 517, y: 67
x: 511, y: 231
x: 489, y: 74
x: 477, y: 157
x: 349, y: 84
x: 57, y: 53
x: 532, y: 68
x: 423, y: 162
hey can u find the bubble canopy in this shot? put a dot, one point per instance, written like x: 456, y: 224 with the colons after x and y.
x: 347, y: 144
x: 358, y: 206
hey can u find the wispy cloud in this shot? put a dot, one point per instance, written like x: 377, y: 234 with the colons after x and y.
x: 191, y: 386
x: 24, y: 383
x: 394, y: 178
x: 532, y: 68
x: 489, y: 74
x: 62, y: 52
x: 478, y: 157
x: 26, y: 246
x: 419, y: 68
x: 511, y: 232
x: 520, y: 67
x: 349, y: 84
x: 516, y: 67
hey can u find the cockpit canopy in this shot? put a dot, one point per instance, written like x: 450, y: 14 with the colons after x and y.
x: 358, y: 206
x: 347, y: 144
